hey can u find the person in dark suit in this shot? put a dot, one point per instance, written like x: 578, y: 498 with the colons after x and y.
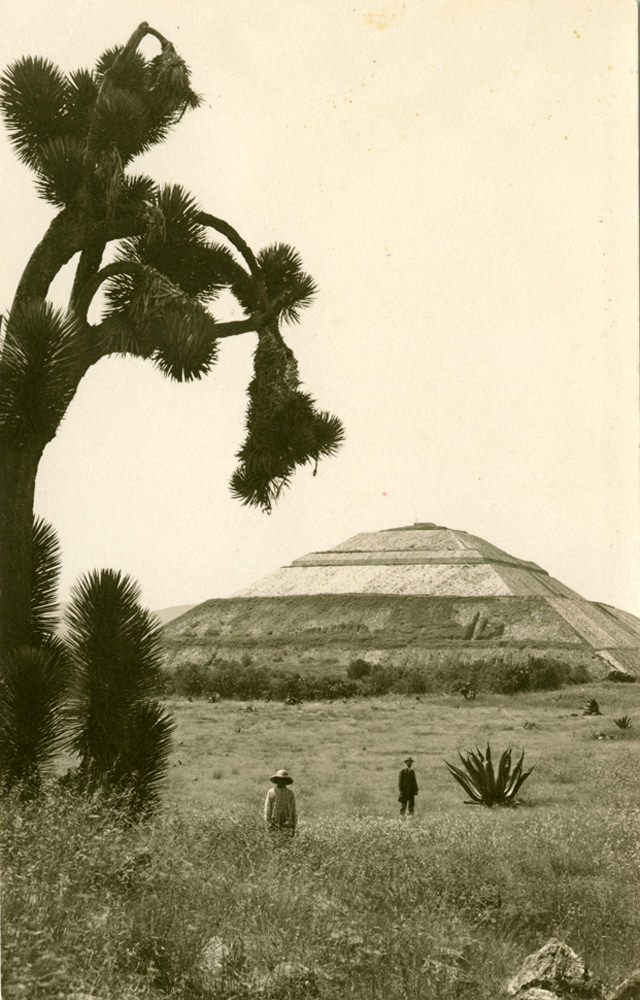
x: 408, y: 787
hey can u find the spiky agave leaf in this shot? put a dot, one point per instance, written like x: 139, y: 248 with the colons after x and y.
x: 489, y: 775
x: 36, y: 371
x: 33, y: 98
x: 32, y: 682
x: 46, y: 560
x: 114, y: 645
x: 142, y: 764
x: 466, y: 781
x: 516, y: 778
x: 504, y: 770
x: 284, y: 430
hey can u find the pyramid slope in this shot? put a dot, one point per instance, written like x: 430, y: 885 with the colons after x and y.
x: 421, y: 559
x: 421, y: 587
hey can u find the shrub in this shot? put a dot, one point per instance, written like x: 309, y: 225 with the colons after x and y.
x: 358, y: 669
x: 413, y: 673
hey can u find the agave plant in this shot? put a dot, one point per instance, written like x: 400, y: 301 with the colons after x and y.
x: 624, y: 722
x: 486, y: 785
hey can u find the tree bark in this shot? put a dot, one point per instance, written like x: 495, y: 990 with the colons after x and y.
x: 18, y: 468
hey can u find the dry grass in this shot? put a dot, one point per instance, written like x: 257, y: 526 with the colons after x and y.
x: 444, y: 906
x: 224, y: 753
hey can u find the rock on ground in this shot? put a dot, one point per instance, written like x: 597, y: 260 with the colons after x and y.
x: 557, y: 969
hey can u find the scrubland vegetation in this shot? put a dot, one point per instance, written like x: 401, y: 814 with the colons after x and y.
x: 360, y: 903
x: 438, y: 671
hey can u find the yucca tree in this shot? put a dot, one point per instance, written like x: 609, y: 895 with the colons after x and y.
x: 150, y: 249
x: 120, y: 733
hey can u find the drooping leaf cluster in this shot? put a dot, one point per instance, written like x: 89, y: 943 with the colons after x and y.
x: 284, y: 428
x: 78, y: 132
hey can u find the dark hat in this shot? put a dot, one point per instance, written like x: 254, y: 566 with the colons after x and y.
x: 281, y: 777
x: 408, y: 760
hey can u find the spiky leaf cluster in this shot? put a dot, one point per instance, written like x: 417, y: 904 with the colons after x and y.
x: 284, y: 429
x: 175, y: 244
x: 483, y: 783
x: 279, y: 284
x: 32, y: 683
x: 46, y: 559
x: 79, y: 131
x: 119, y: 731
x: 141, y: 766
x: 37, y: 374
x: 152, y: 317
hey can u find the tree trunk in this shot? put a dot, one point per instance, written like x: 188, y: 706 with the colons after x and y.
x: 18, y: 468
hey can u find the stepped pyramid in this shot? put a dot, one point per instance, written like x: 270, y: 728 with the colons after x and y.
x: 421, y: 587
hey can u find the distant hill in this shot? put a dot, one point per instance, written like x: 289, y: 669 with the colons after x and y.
x: 164, y: 614
x: 168, y: 614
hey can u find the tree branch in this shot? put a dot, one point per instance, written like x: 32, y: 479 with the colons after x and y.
x: 90, y: 260
x: 91, y: 286
x: 71, y: 231
x: 232, y: 235
x: 232, y: 328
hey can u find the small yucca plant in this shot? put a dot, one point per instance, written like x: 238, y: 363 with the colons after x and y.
x: 624, y: 722
x: 486, y: 785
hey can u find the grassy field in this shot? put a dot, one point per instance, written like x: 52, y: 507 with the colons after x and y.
x: 345, y: 755
x: 360, y: 903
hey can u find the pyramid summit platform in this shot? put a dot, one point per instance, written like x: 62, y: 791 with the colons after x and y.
x: 419, y: 588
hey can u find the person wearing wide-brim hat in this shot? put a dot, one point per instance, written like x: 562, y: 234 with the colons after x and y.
x: 280, y: 805
x: 408, y: 787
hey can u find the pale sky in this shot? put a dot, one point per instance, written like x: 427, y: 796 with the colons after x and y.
x: 460, y: 177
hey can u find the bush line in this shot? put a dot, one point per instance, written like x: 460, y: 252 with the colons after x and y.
x: 244, y: 680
